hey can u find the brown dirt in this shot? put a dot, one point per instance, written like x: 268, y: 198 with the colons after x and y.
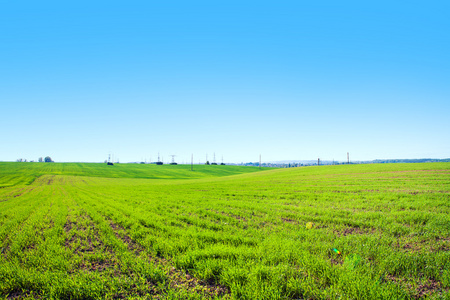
x: 96, y: 266
x: 81, y: 245
x: 19, y: 192
x: 428, y: 288
x: 290, y: 221
x: 86, y: 244
x: 421, y: 290
x: 239, y: 218
x: 23, y: 295
x: 50, y: 180
x: 412, y: 247
x: 353, y: 230
x: 67, y: 228
x: 431, y: 245
x: 336, y: 261
x: 445, y: 246
x: 178, y: 278
x: 447, y: 239
x: 119, y: 231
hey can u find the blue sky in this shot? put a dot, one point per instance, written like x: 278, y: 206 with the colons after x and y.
x: 285, y: 79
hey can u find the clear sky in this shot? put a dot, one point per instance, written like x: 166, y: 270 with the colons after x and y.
x: 284, y: 79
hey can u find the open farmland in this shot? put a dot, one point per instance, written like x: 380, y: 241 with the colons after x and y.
x: 80, y: 231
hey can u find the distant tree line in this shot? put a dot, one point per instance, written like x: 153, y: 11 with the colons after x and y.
x: 40, y: 159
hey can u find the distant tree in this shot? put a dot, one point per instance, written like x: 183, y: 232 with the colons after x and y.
x: 207, y: 162
x: 19, y: 160
x: 40, y: 159
x: 48, y: 159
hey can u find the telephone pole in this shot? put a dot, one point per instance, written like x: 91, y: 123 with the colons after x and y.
x: 348, y: 159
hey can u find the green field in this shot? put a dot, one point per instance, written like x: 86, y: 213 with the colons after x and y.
x: 90, y: 231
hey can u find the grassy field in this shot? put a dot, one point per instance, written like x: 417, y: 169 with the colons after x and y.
x: 25, y: 173
x: 81, y: 231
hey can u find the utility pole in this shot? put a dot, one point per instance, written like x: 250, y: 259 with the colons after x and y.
x: 318, y: 161
x: 348, y: 159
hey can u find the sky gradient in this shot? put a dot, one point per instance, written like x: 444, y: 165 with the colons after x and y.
x: 286, y: 79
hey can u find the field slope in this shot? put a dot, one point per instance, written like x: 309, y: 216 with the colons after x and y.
x: 25, y: 173
x: 83, y: 231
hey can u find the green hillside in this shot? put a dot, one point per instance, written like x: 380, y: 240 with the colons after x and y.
x: 16, y: 173
x: 376, y: 231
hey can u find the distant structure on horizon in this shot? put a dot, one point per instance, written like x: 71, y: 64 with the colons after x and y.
x: 159, y: 162
x: 109, y: 163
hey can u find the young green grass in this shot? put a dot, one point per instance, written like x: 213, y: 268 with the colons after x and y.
x: 349, y: 232
x: 25, y: 173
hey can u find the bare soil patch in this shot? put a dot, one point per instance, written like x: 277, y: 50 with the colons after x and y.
x: 420, y: 290
x: 353, y: 230
x: 178, y: 278
x: 290, y: 221
x: 19, y: 192
x: 336, y: 261
x: 237, y: 217
x: 23, y: 295
x: 82, y: 243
